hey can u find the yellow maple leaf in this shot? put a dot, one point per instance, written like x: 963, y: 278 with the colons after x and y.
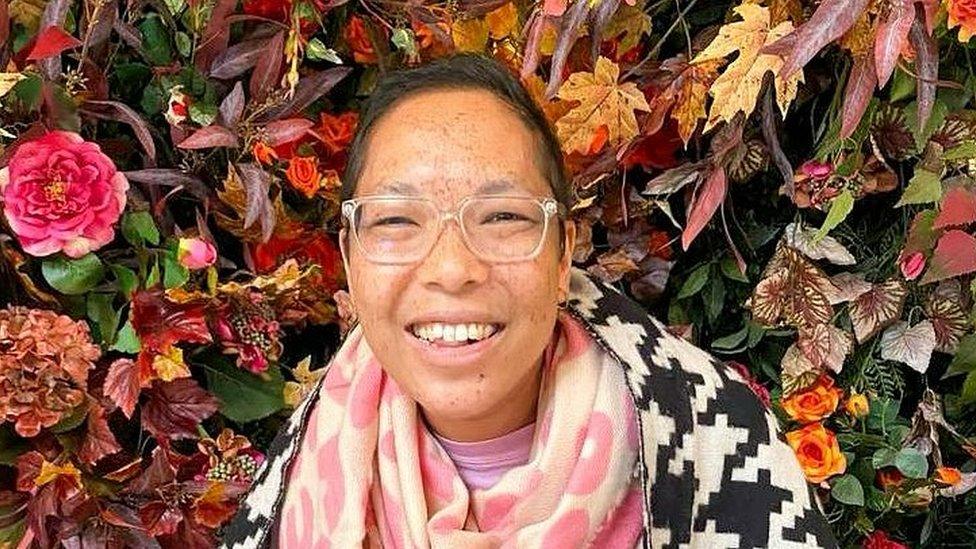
x: 502, y: 21
x: 684, y: 96
x: 306, y: 379
x: 50, y: 471
x: 737, y: 89
x: 602, y: 102
x: 27, y: 12
x: 169, y: 364
x: 470, y: 34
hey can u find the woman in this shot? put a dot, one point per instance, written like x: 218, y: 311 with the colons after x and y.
x: 490, y: 393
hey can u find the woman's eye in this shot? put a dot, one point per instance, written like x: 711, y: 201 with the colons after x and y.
x: 393, y: 221
x: 504, y: 216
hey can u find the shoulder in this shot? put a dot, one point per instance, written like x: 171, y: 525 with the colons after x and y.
x: 719, y: 471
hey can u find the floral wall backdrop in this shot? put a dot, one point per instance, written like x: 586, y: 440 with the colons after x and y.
x: 788, y: 183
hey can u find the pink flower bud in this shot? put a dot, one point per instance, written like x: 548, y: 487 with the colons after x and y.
x: 196, y: 253
x: 817, y: 170
x: 912, y: 265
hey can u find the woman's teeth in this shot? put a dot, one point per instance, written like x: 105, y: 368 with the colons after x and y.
x: 453, y: 333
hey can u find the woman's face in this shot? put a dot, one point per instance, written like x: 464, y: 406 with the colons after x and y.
x: 447, y: 145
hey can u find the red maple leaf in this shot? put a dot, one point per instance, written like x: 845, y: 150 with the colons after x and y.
x: 174, y: 408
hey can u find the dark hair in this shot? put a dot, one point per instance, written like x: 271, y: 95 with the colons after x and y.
x: 459, y: 71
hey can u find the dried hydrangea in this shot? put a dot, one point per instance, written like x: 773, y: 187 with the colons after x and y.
x: 44, y: 362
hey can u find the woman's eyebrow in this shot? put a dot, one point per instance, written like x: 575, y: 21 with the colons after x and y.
x: 497, y: 186
x: 398, y: 187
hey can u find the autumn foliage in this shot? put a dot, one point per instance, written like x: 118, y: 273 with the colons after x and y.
x: 788, y: 183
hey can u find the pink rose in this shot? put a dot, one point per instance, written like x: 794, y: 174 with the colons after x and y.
x: 912, y: 265
x: 196, y: 253
x: 60, y: 193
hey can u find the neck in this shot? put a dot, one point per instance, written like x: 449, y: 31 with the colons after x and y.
x: 512, y: 413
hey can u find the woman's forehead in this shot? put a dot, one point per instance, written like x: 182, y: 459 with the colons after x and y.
x: 457, y: 187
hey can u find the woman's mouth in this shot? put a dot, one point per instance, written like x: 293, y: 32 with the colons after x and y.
x: 445, y: 334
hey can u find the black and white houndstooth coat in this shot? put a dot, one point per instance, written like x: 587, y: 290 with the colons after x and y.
x: 713, y: 464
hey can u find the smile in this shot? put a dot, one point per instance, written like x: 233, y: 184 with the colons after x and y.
x: 453, y: 335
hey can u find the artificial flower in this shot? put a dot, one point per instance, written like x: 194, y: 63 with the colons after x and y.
x: 815, y: 402
x: 196, y: 253
x: 61, y: 193
x: 304, y: 176
x: 44, y: 362
x: 962, y: 14
x: 818, y: 452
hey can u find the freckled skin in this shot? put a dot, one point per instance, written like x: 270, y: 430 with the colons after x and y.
x: 448, y: 143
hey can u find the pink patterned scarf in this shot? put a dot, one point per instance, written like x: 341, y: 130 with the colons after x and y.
x: 370, y: 474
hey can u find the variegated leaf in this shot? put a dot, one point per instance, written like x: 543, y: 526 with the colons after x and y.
x: 911, y: 345
x: 876, y: 309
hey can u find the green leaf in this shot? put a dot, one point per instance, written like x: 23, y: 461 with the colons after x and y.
x: 244, y: 396
x: 317, y: 51
x: 153, y: 278
x: 404, y: 40
x: 965, y: 358
x: 174, y: 274
x: 183, y: 44
x: 882, y: 413
x: 925, y: 187
x: 730, y: 269
x: 714, y: 299
x: 732, y: 341
x: 72, y: 420
x: 965, y: 151
x: 73, y: 276
x: 126, y: 278
x: 11, y: 445
x: 968, y: 394
x: 695, y: 282
x: 139, y: 228
x: 840, y: 206
x: 127, y: 340
x: 847, y: 489
x: 936, y: 119
x: 876, y: 500
x: 100, y: 311
x: 912, y: 463
x: 26, y: 94
x: 883, y: 457
x: 156, y: 45
x: 203, y: 113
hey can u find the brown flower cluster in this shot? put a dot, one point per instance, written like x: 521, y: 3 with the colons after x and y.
x: 44, y: 363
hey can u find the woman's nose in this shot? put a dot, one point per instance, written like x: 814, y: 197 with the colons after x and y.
x: 451, y: 265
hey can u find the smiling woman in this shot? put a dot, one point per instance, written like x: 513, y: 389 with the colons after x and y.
x: 491, y: 393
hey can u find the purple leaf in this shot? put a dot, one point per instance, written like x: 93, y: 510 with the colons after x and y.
x: 215, y: 35
x: 309, y: 88
x: 530, y: 61
x: 256, y: 183
x: 268, y: 68
x: 568, y: 33
x: 860, y: 87
x: 831, y: 20
x: 54, y: 15
x: 926, y: 66
x: 102, y: 28
x: 209, y: 137
x: 232, y: 107
x: 283, y: 131
x: 120, y: 112
x: 891, y: 37
x: 238, y: 59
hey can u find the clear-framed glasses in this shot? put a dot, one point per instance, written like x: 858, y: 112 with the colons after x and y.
x: 404, y: 229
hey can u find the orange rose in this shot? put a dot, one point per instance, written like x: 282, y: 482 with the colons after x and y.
x: 949, y: 476
x: 962, y: 13
x: 358, y: 39
x: 336, y: 132
x: 857, y: 405
x: 888, y: 478
x: 815, y: 402
x: 303, y: 174
x: 817, y: 451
